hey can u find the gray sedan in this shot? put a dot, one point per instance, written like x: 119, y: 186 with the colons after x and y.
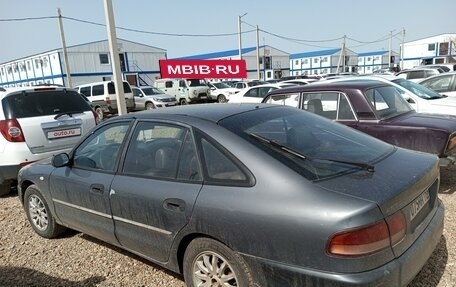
x: 147, y: 98
x: 245, y: 195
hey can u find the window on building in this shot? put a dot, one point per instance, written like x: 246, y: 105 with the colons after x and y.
x: 104, y: 59
x: 29, y: 65
x: 443, y: 49
x: 431, y: 47
x: 306, y: 61
x: 296, y: 62
x: 369, y: 58
x: 2, y: 71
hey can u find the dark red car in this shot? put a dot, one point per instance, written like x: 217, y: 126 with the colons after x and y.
x: 378, y: 109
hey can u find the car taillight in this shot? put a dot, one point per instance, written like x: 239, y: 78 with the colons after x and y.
x: 451, y: 144
x: 369, y: 239
x: 108, y: 101
x: 11, y: 130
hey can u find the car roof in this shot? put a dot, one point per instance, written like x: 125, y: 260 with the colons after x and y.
x: 7, y: 91
x: 209, y: 112
x: 360, y: 84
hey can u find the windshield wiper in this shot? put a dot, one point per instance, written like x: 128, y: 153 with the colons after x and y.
x: 67, y: 114
x: 365, y: 166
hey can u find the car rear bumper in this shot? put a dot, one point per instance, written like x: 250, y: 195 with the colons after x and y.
x: 395, y: 273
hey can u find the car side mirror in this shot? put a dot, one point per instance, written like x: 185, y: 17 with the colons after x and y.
x: 61, y: 159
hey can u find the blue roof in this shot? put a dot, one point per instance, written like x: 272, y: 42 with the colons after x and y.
x: 223, y: 54
x: 372, y: 53
x: 314, y: 53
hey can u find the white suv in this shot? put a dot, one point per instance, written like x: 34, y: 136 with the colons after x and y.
x: 36, y: 123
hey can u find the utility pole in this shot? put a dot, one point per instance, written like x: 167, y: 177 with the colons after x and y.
x: 112, y: 38
x: 258, y: 51
x: 389, y: 49
x: 341, y: 55
x: 402, y: 50
x: 64, y: 49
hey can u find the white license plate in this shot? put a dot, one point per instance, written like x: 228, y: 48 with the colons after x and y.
x: 64, y: 133
x: 418, y: 204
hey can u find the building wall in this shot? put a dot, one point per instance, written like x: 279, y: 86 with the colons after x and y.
x: 432, y: 50
x: 85, y: 63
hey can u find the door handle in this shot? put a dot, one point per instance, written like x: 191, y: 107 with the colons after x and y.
x: 97, y: 188
x: 174, y: 204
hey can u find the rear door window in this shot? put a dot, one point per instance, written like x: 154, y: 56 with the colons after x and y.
x: 98, y: 90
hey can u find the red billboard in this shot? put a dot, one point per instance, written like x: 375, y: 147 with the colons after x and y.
x: 203, y: 69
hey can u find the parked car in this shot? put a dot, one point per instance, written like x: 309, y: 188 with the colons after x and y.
x: 104, y: 99
x: 221, y: 92
x: 256, y: 94
x: 443, y: 83
x: 245, y: 195
x: 417, y: 74
x: 248, y: 83
x: 38, y: 122
x: 378, y: 109
x: 422, y: 99
x: 447, y: 67
x: 186, y: 91
x: 147, y: 98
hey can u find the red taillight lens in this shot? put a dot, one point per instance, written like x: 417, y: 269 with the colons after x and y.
x: 369, y: 239
x: 108, y: 101
x: 11, y: 130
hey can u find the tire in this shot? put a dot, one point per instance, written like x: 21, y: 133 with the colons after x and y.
x: 39, y: 214
x: 149, y: 106
x: 182, y: 102
x: 221, y: 99
x: 204, y: 253
x: 100, y: 114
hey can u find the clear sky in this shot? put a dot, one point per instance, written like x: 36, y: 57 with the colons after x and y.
x: 293, y: 26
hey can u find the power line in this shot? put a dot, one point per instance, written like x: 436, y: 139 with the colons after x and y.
x: 294, y: 40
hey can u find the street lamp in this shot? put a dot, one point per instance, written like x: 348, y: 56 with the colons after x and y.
x: 240, y: 35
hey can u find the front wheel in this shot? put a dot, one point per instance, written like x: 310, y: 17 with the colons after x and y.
x: 182, y: 102
x: 39, y: 214
x: 150, y: 106
x: 210, y: 263
x: 221, y: 99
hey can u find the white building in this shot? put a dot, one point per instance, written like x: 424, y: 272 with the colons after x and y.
x: 273, y: 63
x: 323, y: 62
x: 371, y: 61
x: 433, y: 50
x: 90, y: 62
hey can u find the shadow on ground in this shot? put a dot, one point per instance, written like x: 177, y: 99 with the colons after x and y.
x: 20, y: 276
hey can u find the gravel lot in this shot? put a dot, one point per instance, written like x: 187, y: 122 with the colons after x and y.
x: 76, y: 259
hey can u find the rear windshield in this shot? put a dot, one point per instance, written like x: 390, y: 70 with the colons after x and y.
x: 112, y: 88
x: 43, y: 103
x: 323, y: 144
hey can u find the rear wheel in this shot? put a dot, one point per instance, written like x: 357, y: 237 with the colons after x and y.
x: 39, y: 214
x: 150, y: 106
x: 182, y: 102
x: 5, y: 188
x: 210, y: 263
x: 100, y: 114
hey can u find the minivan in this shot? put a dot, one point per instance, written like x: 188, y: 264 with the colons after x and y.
x: 186, y: 91
x: 103, y: 97
x: 37, y: 122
